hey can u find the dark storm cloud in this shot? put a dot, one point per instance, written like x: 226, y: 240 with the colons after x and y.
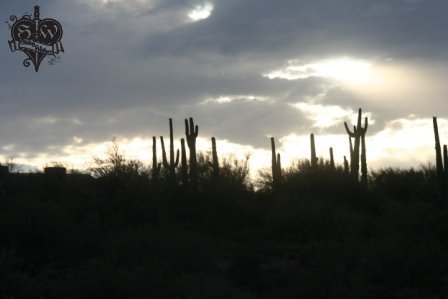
x: 312, y: 28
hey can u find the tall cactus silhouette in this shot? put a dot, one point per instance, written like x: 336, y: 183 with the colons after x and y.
x: 445, y: 163
x: 191, y: 133
x: 172, y: 163
x: 313, y: 152
x: 363, y: 161
x: 445, y: 168
x: 441, y: 177
x: 215, y: 163
x: 346, y: 166
x: 155, y: 165
x: 183, y: 162
x: 359, y: 135
x: 276, y: 166
x: 351, y: 148
x: 332, y: 166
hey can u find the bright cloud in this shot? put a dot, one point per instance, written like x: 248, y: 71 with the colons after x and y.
x: 407, y: 141
x: 343, y: 69
x: 232, y: 98
x: 403, y: 142
x: 323, y: 116
x: 201, y: 12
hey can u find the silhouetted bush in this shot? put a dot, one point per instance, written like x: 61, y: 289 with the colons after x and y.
x: 406, y: 184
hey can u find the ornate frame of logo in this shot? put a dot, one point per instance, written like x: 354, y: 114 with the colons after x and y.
x: 35, y: 37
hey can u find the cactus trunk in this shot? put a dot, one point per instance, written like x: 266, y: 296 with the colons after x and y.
x: 183, y: 159
x: 191, y: 133
x: 276, y: 166
x: 359, y: 135
x: 215, y: 162
x: 351, y: 149
x: 439, y: 163
x: 332, y: 166
x: 445, y: 166
x: 172, y: 163
x: 346, y: 166
x: 313, y: 152
x: 445, y: 161
x: 155, y: 165
x: 363, y: 162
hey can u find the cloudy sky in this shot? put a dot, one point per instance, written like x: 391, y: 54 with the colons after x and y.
x: 245, y: 70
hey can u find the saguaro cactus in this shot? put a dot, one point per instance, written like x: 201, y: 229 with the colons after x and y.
x: 172, y: 164
x: 215, y: 162
x: 346, y: 166
x: 441, y: 183
x: 155, y: 165
x: 359, y: 135
x: 363, y: 161
x: 191, y: 133
x: 351, y: 148
x: 313, y: 152
x: 332, y: 166
x: 183, y: 162
x: 445, y: 162
x: 276, y: 166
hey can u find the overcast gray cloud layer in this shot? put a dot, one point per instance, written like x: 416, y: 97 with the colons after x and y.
x: 130, y: 65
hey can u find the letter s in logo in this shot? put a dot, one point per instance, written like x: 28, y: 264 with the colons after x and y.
x: 24, y: 31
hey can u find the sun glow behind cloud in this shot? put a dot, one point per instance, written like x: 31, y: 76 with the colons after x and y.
x: 201, y: 12
x: 348, y: 70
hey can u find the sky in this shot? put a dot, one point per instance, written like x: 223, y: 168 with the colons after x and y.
x: 244, y: 70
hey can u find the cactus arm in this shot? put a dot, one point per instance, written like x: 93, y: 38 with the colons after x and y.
x: 351, y: 134
x: 366, y: 125
x: 187, y: 131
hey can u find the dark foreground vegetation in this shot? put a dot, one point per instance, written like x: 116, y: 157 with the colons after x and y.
x: 318, y: 235
x: 199, y: 228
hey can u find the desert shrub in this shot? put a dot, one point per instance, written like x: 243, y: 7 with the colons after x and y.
x: 406, y: 184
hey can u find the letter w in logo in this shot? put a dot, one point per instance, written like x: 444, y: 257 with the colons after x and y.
x: 48, y: 32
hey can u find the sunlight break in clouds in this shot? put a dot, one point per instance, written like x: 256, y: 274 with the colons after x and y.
x: 324, y: 116
x: 232, y: 98
x: 407, y: 142
x: 394, y: 146
x: 343, y: 69
x: 329, y: 116
x: 201, y: 12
